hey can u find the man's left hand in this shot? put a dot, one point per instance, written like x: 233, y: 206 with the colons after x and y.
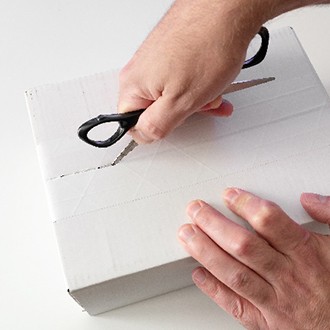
x: 275, y: 278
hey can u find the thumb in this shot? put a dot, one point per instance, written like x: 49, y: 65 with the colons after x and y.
x: 317, y: 206
x: 159, y: 119
x: 162, y: 114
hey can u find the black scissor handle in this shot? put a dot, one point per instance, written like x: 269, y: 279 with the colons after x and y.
x: 125, y: 120
x: 261, y: 53
x: 129, y: 119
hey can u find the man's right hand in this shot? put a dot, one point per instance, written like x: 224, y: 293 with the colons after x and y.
x: 190, y: 57
x: 183, y: 66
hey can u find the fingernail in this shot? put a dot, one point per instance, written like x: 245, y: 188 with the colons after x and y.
x: 138, y: 136
x: 322, y: 199
x: 224, y: 101
x: 193, y: 209
x: 215, y: 104
x: 199, y: 275
x: 230, y: 195
x: 186, y: 233
x: 124, y: 107
x: 318, y: 198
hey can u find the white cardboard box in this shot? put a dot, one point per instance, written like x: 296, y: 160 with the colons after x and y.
x: 116, y: 226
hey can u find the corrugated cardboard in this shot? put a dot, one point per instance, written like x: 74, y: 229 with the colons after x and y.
x: 116, y: 226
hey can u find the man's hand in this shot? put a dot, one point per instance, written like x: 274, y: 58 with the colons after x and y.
x: 189, y: 58
x: 184, y: 65
x: 275, y: 278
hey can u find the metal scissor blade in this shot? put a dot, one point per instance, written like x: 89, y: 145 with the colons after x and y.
x: 234, y: 87
x: 243, y: 84
x: 125, y: 152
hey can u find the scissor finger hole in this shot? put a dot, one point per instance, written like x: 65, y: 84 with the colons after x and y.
x: 259, y: 53
x: 254, y: 46
x: 102, y: 132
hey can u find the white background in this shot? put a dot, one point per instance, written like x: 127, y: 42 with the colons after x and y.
x: 43, y: 41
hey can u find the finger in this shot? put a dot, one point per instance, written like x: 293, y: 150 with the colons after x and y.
x: 267, y: 219
x: 243, y: 245
x: 133, y: 104
x: 228, y: 270
x: 247, y: 314
x: 224, y: 110
x: 317, y: 206
x: 130, y: 102
x: 130, y: 96
x: 215, y: 104
x: 163, y: 116
x: 131, y: 99
x: 159, y: 119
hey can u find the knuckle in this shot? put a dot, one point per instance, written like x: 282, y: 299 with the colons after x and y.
x: 271, y: 266
x: 153, y: 131
x: 240, y: 311
x: 239, y: 280
x: 243, y: 246
x: 125, y: 70
x: 123, y: 75
x: 237, y: 309
x: 267, y: 214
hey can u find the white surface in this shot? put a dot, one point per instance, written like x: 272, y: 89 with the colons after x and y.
x: 47, y: 41
x: 108, y: 231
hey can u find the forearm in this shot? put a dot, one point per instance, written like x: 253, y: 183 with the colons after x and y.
x: 278, y: 7
x: 240, y: 16
x: 268, y: 9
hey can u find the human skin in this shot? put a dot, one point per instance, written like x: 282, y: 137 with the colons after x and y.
x: 275, y: 278
x: 188, y: 60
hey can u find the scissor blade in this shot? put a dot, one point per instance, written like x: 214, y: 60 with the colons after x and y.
x: 125, y: 152
x: 243, y: 84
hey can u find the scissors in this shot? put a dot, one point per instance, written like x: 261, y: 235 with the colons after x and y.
x: 129, y: 119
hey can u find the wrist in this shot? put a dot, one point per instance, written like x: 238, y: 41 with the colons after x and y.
x: 264, y: 10
x: 236, y: 20
x: 251, y: 14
